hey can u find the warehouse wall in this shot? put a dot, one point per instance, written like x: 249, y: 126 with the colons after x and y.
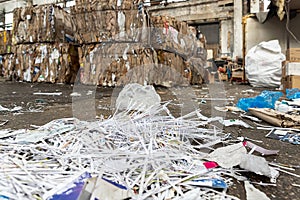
x: 270, y: 30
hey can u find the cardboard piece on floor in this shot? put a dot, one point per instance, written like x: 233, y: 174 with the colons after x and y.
x: 276, y: 118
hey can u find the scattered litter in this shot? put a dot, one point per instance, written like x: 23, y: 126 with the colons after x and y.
x: 285, y: 166
x: 228, y: 108
x: 140, y: 152
x: 295, y: 103
x: 254, y: 194
x: 296, y: 185
x: 213, y: 183
x: 75, y: 94
x: 149, y: 153
x: 287, y: 172
x: 293, y: 93
x: 3, y: 122
x: 248, y: 139
x: 234, y: 109
x: 280, y: 166
x: 236, y: 154
x: 15, y: 109
x: 54, y: 127
x: 218, y: 99
x: 37, y: 109
x: 232, y: 122
x: 101, y: 107
x: 283, y: 106
x: 221, y: 109
x: 259, y: 149
x: 290, y: 136
x: 34, y: 126
x: 248, y: 91
x: 210, y: 165
x: 266, y: 99
x: 264, y: 184
x: 202, y: 101
x: 40, y: 101
x: 136, y: 94
x: 228, y: 156
x: 48, y: 93
x: 3, y: 108
x: 90, y: 92
x: 258, y: 165
x: 255, y: 119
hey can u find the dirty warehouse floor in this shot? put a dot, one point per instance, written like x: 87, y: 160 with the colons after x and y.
x: 38, y: 110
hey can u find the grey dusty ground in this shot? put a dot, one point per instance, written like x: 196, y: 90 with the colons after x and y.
x: 100, y: 100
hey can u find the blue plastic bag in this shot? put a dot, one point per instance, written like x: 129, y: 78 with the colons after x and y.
x: 293, y: 93
x: 266, y: 99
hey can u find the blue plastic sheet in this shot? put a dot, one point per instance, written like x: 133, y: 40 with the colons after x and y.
x: 293, y: 93
x: 266, y: 99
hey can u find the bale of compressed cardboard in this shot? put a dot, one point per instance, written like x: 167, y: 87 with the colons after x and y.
x: 107, y: 25
x: 44, y: 23
x: 55, y: 63
x: 121, y: 63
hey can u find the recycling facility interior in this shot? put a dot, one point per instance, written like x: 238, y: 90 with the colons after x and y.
x: 76, y: 33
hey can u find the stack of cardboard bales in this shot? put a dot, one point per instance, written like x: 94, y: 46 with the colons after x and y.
x: 40, y: 35
x: 130, y: 46
x: 291, y: 69
x: 119, y: 43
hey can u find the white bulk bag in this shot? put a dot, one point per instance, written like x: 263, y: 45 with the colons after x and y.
x: 263, y: 64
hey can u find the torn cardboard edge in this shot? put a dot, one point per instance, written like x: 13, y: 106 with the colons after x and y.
x: 276, y: 118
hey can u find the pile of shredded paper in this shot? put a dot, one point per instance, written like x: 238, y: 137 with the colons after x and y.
x: 134, y: 154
